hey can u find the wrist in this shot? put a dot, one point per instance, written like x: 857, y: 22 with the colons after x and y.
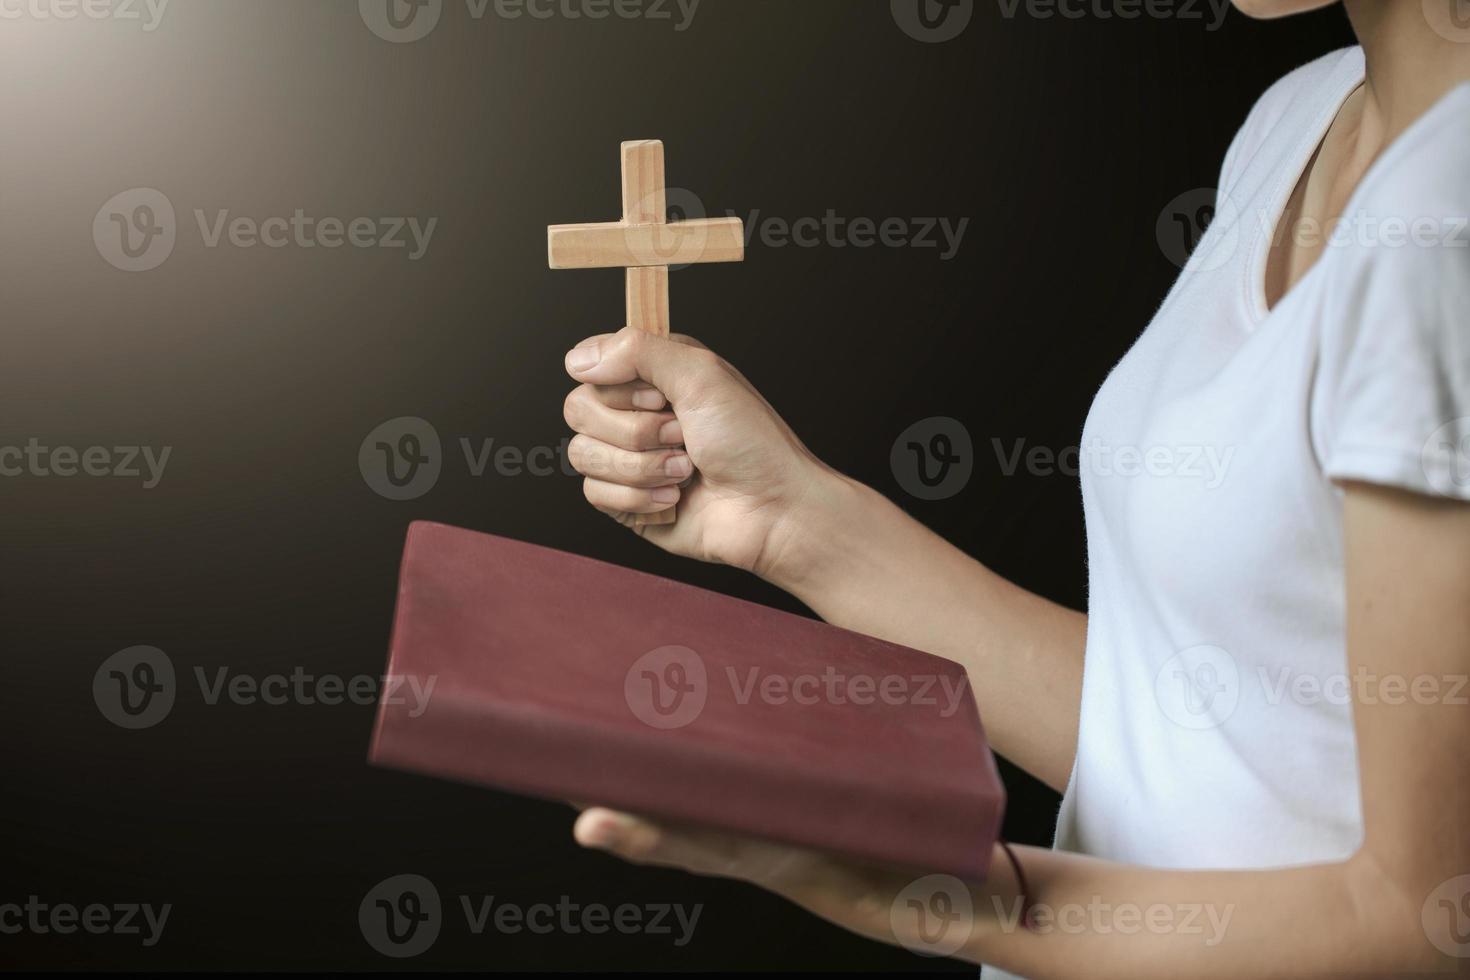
x: 822, y: 536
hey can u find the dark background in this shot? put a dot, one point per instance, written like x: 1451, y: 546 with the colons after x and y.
x: 1063, y: 140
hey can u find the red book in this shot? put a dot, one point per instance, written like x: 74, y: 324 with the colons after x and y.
x: 565, y: 678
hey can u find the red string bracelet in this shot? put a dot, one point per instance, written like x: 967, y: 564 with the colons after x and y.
x: 1021, y: 884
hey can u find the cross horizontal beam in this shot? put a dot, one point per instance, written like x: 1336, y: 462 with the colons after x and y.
x: 619, y: 245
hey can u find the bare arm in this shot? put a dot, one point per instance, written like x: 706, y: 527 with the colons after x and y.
x: 652, y: 412
x: 861, y: 563
x: 1398, y: 906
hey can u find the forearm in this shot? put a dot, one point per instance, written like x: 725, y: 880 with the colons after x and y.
x: 859, y: 562
x: 1098, y: 919
x: 1095, y: 919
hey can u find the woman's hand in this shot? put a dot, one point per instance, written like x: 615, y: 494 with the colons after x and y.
x: 875, y: 903
x: 661, y: 422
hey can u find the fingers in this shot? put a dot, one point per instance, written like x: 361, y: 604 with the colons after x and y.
x: 642, y: 842
x: 801, y: 874
x: 681, y: 370
x: 629, y: 448
x: 591, y: 410
x: 659, y: 468
x: 619, y: 499
x: 640, y: 524
x: 637, y: 396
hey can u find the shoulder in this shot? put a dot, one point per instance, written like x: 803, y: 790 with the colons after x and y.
x: 1420, y: 178
x: 1312, y: 81
x: 1284, y: 107
x: 1406, y: 229
x: 1395, y: 339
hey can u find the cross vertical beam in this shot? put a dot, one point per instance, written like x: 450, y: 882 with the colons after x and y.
x: 645, y: 202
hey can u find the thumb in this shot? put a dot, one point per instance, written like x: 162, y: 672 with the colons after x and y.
x: 679, y: 370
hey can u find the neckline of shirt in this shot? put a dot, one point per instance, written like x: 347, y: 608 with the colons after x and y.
x: 1350, y: 73
x: 1347, y: 77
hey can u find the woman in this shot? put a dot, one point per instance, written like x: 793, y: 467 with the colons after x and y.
x: 1261, y: 724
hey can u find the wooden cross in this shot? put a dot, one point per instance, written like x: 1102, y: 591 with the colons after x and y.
x: 645, y: 243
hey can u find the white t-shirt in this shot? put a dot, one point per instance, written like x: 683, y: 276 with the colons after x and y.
x: 1216, y: 726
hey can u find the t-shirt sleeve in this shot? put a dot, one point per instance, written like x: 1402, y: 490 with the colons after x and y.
x: 1393, y: 391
